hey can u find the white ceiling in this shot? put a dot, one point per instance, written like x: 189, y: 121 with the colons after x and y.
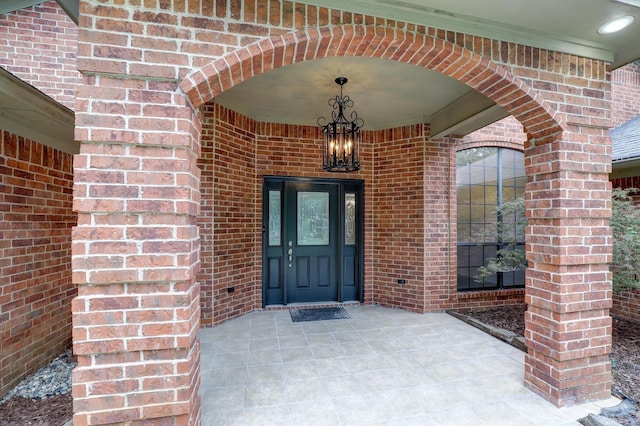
x: 385, y: 93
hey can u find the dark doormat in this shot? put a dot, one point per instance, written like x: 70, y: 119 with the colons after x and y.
x: 318, y: 314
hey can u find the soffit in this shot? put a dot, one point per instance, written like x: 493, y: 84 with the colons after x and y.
x: 71, y: 7
x: 30, y: 113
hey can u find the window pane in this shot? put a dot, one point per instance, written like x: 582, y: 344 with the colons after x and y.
x: 274, y: 218
x: 476, y: 257
x: 350, y: 218
x: 477, y: 232
x: 490, y: 233
x: 464, y: 279
x: 477, y: 213
x: 487, y: 177
x: 463, y: 214
x: 477, y: 194
x: 464, y: 233
x: 463, y: 256
x: 464, y: 194
x: 313, y: 218
x: 508, y: 194
x: 491, y: 196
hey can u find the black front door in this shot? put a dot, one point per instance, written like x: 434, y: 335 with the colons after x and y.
x: 310, y: 246
x: 311, y: 242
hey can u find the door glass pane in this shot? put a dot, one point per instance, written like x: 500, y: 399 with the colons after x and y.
x: 274, y: 218
x: 350, y: 218
x: 313, y: 218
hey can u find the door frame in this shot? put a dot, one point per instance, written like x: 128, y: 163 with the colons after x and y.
x: 354, y: 185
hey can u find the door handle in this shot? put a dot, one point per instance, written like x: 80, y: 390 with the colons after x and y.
x: 290, y: 252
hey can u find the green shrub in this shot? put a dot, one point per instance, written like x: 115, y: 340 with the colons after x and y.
x: 625, y: 227
x: 508, y: 233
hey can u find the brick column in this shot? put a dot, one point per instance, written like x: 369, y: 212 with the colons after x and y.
x: 136, y: 254
x: 568, y: 286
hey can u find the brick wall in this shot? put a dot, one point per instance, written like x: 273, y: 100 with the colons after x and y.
x: 398, y: 226
x: 230, y: 216
x: 38, y: 44
x: 35, y: 256
x: 625, y: 93
x: 507, y: 130
x: 440, y: 235
x: 626, y: 305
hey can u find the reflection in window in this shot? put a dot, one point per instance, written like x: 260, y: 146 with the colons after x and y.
x: 313, y: 218
x: 274, y: 218
x: 487, y: 177
x: 350, y: 218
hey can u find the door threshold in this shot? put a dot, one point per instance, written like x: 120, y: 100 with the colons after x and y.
x: 311, y: 305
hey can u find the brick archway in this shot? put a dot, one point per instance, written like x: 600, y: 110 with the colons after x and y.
x: 492, y: 80
x: 543, y: 125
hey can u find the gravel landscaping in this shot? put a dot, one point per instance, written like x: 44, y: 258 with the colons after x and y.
x: 42, y: 399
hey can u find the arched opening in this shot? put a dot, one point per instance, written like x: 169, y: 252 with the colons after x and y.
x: 490, y: 80
x: 238, y: 85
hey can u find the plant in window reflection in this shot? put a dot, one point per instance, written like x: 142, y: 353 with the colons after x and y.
x: 625, y: 227
x: 508, y: 233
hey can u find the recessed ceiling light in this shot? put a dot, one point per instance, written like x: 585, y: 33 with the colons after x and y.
x: 615, y: 24
x: 635, y: 3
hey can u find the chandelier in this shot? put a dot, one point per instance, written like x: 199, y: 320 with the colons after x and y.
x: 341, y: 137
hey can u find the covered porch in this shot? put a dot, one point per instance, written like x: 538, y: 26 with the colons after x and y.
x: 382, y: 366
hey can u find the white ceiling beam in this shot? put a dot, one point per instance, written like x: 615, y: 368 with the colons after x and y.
x: 71, y: 7
x: 466, y: 114
x: 7, y: 6
x: 30, y: 113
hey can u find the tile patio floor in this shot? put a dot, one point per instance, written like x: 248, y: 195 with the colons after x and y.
x: 382, y: 367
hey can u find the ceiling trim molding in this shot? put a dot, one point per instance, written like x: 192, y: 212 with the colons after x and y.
x: 429, y: 17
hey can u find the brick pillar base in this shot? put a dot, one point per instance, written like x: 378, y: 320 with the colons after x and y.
x: 568, y: 360
x: 138, y: 356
